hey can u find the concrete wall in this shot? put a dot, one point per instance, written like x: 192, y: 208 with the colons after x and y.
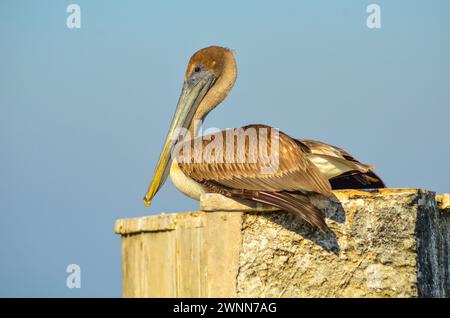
x: 386, y: 243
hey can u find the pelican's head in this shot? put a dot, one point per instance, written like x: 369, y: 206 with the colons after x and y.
x: 210, y: 75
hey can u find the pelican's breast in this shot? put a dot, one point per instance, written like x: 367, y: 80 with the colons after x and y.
x: 182, y: 182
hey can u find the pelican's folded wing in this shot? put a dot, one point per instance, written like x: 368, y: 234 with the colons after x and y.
x: 277, y: 164
x: 342, y: 169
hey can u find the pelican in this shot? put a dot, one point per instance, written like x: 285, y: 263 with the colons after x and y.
x: 303, y: 167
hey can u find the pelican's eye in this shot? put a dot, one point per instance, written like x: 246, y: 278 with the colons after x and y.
x: 197, y: 73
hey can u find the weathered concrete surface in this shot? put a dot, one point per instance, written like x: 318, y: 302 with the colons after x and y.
x: 192, y: 254
x: 443, y: 201
x: 387, y: 243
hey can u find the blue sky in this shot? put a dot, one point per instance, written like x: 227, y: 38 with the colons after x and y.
x: 83, y: 112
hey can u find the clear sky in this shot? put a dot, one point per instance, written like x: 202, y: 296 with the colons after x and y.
x: 83, y: 112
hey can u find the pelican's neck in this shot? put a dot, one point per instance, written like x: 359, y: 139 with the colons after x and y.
x: 194, y: 128
x: 217, y: 93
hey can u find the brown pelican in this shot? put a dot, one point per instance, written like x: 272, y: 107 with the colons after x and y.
x: 303, y: 166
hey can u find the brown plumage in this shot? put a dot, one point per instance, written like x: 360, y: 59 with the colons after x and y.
x: 294, y: 173
x: 285, y: 188
x: 361, y: 177
x: 297, y: 203
x: 302, y: 166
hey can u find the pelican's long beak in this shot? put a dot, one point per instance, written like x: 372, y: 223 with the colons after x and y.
x: 193, y: 92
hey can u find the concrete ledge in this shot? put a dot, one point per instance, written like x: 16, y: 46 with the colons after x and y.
x: 385, y: 243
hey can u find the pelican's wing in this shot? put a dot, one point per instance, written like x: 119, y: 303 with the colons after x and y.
x: 276, y: 174
x: 357, y: 176
x: 285, y: 168
x: 318, y: 148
